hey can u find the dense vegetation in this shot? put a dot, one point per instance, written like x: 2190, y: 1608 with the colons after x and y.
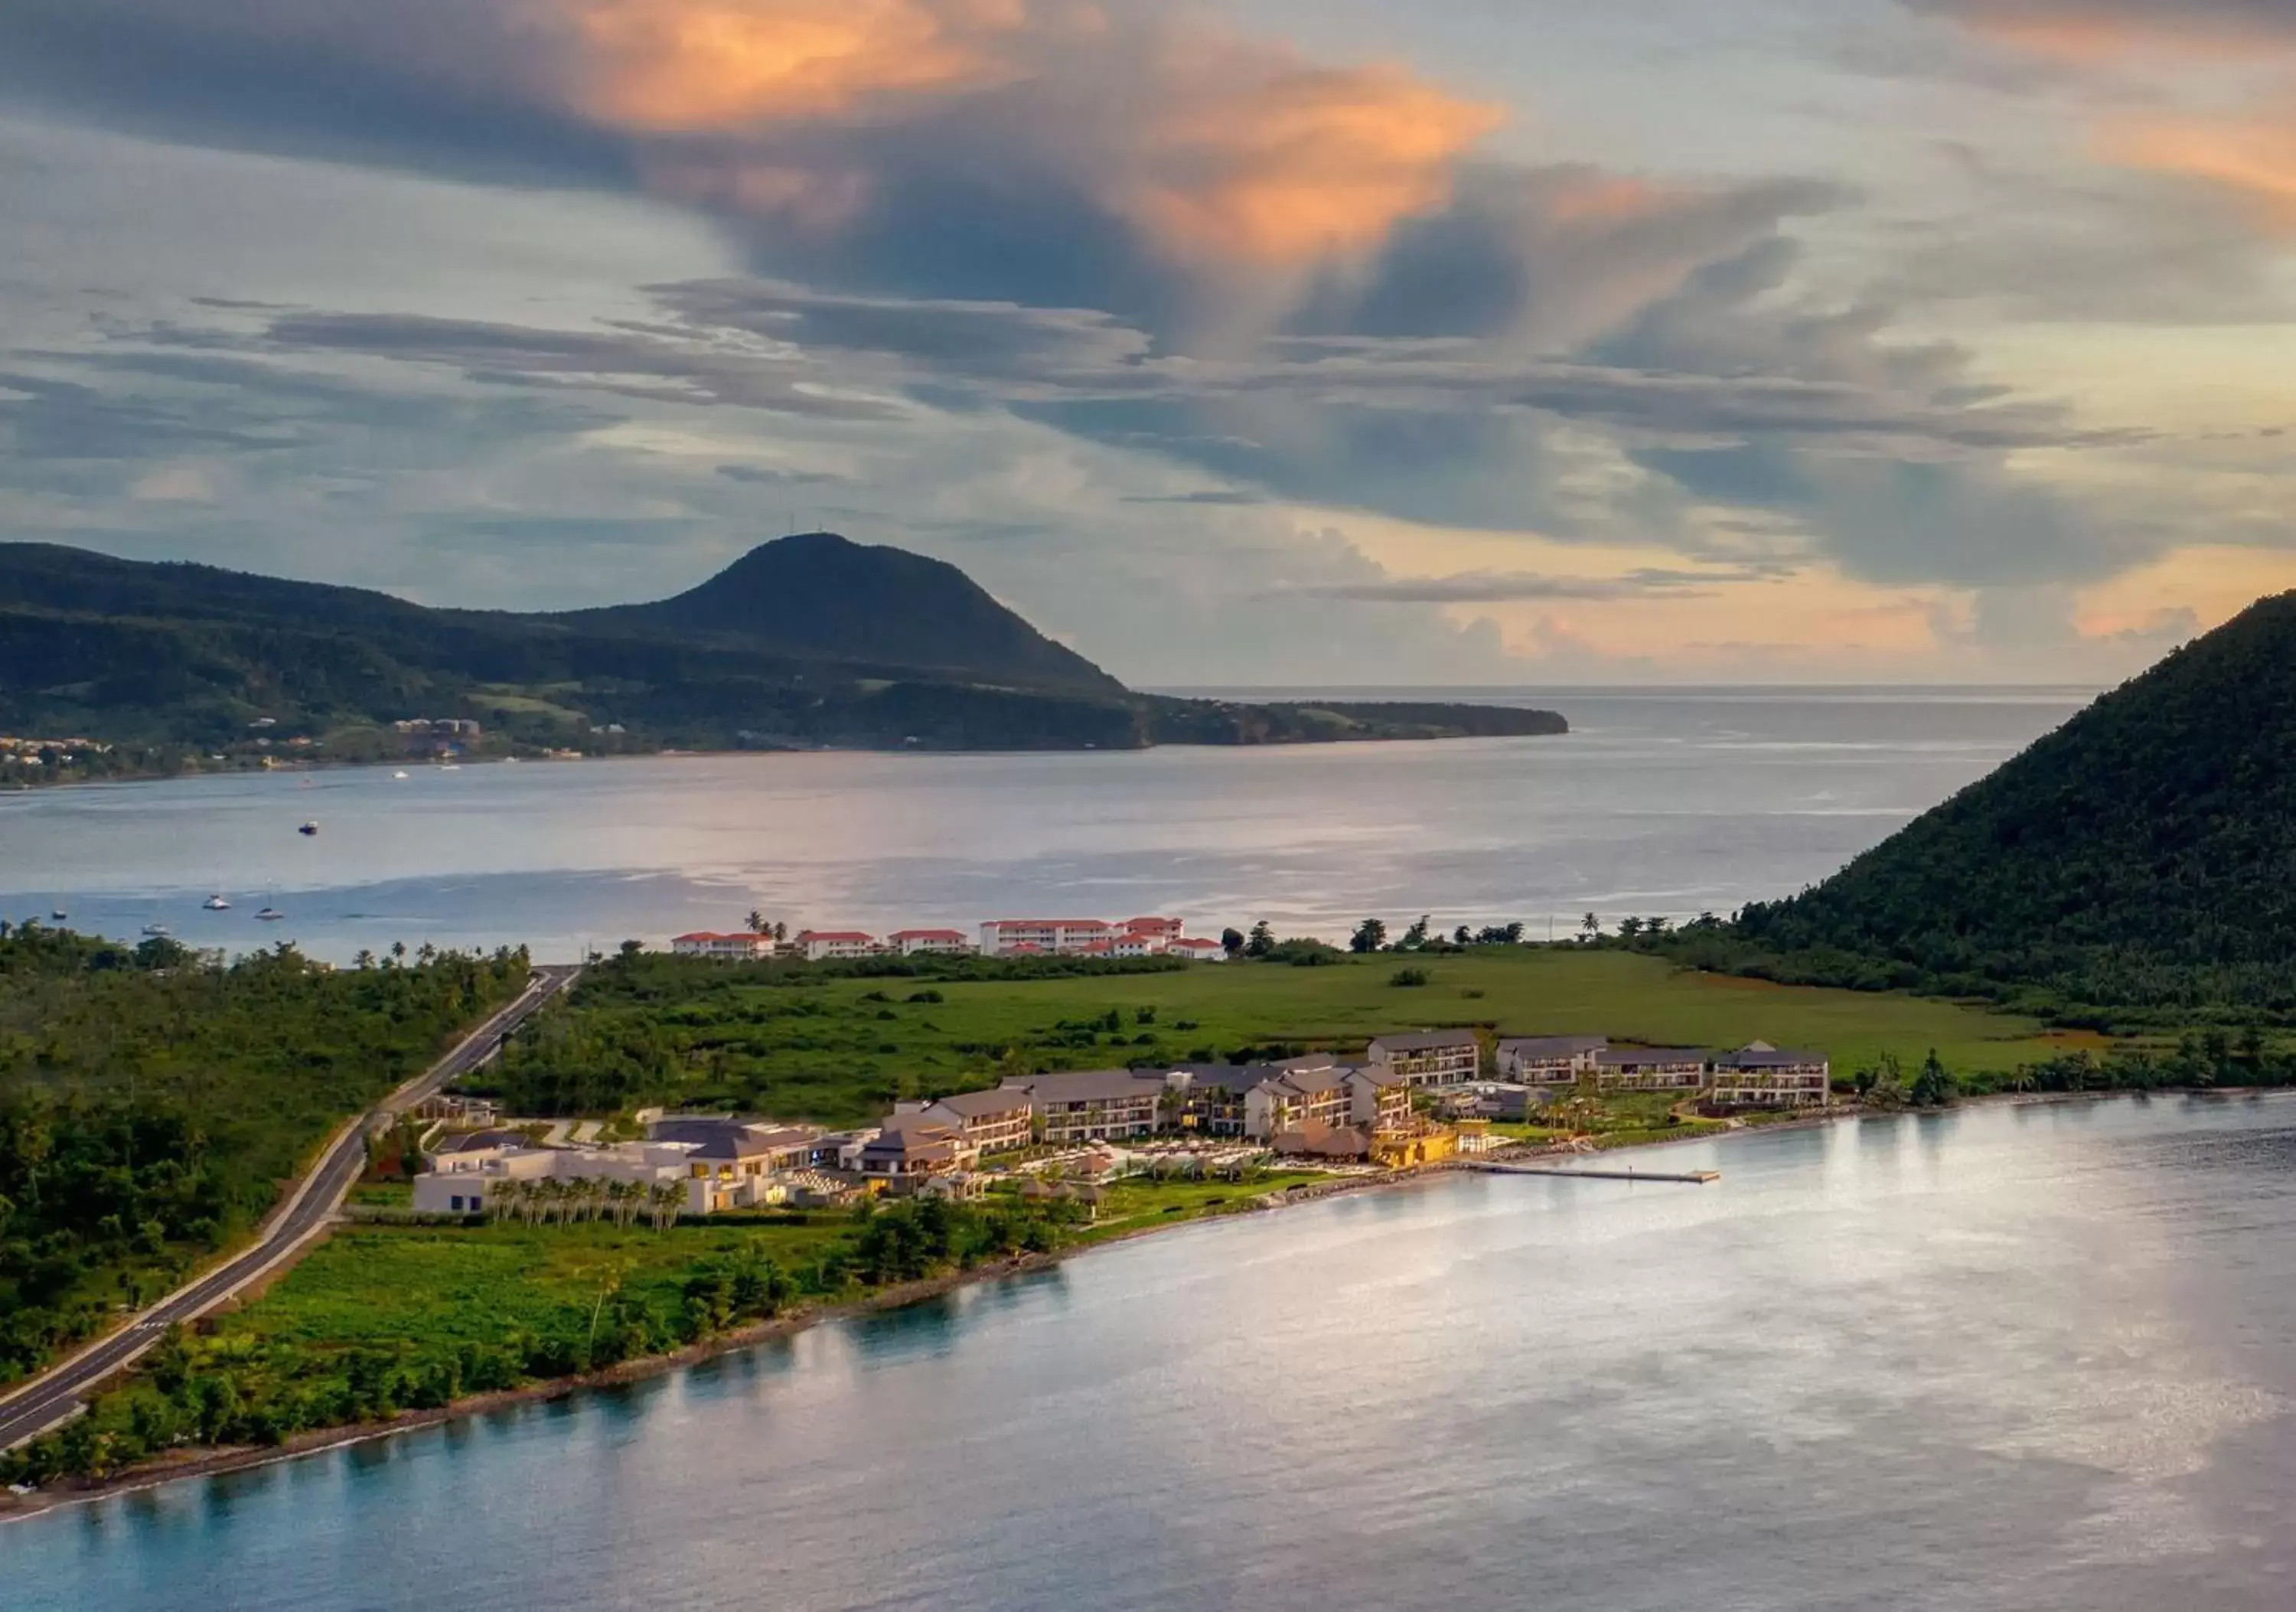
x: 838, y: 1043
x: 378, y: 1321
x: 151, y: 1101
x: 2138, y: 865
x: 805, y: 642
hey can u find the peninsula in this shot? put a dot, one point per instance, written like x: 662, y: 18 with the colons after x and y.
x: 120, y: 667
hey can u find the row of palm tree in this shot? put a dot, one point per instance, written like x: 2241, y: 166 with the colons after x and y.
x: 552, y: 1201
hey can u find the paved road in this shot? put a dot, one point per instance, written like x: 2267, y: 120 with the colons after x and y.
x: 33, y: 1407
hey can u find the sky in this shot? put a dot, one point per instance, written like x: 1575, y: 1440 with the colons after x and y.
x: 1248, y: 343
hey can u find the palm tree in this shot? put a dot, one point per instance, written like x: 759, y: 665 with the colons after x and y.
x: 758, y: 925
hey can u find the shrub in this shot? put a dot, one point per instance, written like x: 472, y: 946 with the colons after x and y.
x: 1407, y: 979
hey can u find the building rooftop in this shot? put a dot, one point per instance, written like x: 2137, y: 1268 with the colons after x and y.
x: 480, y: 1141
x: 980, y: 1105
x: 1615, y: 1057
x: 926, y: 934
x: 1048, y: 924
x: 1552, y: 1046
x: 1087, y: 1085
x: 705, y: 936
x: 1427, y: 1041
x: 1761, y: 1054
x: 835, y: 934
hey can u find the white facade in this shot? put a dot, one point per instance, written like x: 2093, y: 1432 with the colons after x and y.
x: 825, y: 946
x: 930, y: 942
x: 736, y: 948
x: 1067, y: 937
x: 1198, y: 951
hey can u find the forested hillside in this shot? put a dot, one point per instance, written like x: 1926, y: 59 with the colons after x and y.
x: 151, y: 1102
x: 808, y: 642
x: 2142, y: 856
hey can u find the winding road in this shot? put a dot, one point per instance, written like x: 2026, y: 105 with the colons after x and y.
x: 54, y: 1395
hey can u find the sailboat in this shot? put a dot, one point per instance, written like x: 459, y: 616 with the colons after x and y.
x: 269, y: 915
x: 156, y: 931
x: 215, y: 903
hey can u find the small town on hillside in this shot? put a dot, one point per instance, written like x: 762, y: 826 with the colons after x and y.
x: 1411, y: 1100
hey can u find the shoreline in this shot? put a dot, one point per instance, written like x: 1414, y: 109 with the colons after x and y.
x: 179, y: 1465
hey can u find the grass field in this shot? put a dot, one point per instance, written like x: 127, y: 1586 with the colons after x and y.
x: 420, y: 1287
x: 839, y: 1051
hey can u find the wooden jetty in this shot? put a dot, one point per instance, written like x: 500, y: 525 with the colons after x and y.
x: 1694, y: 1178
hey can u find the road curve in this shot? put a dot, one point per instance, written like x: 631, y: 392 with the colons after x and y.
x: 51, y: 1397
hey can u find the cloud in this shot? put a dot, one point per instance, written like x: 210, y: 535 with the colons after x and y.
x: 661, y: 367
x: 1507, y: 588
x: 2248, y: 153
x: 2092, y: 31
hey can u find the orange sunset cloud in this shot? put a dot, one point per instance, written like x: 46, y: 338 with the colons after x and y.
x: 1216, y: 148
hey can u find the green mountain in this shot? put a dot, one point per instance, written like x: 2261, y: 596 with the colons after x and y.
x: 808, y: 642
x: 2142, y: 855
x: 819, y: 596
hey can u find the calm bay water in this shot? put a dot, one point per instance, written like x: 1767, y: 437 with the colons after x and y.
x: 2028, y: 1358
x: 1658, y: 802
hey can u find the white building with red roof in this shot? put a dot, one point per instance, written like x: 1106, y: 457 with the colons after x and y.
x: 829, y: 945
x: 921, y: 942
x: 736, y: 948
x: 1063, y: 937
x: 1198, y: 951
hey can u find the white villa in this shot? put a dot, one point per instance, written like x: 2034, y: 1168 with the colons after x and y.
x: 734, y: 948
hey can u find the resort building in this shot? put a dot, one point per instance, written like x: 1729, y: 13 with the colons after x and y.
x: 831, y: 945
x: 731, y: 947
x: 1160, y: 931
x: 1063, y: 937
x: 1198, y: 951
x: 1651, y: 1069
x: 1432, y: 1057
x: 991, y: 1121
x: 1549, y: 1060
x: 929, y: 942
x: 1094, y: 1106
x: 911, y: 1149
x: 1761, y: 1076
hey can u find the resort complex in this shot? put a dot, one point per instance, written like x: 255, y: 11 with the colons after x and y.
x: 999, y: 938
x: 1408, y: 1100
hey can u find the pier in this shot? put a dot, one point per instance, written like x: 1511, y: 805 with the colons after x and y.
x: 1694, y: 1178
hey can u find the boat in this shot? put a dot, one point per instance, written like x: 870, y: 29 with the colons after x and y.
x: 398, y: 775
x: 156, y: 931
x: 269, y: 915
x: 58, y: 916
x: 308, y: 830
x: 215, y: 903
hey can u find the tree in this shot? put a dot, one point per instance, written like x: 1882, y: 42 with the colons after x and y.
x: 1232, y: 941
x: 1370, y: 935
x: 1414, y: 937
x: 1463, y: 936
x: 1933, y: 1087
x: 1590, y: 928
x: 758, y: 925
x: 1262, y: 941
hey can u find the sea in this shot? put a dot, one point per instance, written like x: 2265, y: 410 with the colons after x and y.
x: 2003, y: 1359
x: 1665, y: 802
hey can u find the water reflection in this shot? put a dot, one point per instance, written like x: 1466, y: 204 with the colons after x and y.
x: 2030, y: 1358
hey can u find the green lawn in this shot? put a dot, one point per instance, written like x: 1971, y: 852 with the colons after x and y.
x: 385, y: 1286
x: 839, y: 1051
